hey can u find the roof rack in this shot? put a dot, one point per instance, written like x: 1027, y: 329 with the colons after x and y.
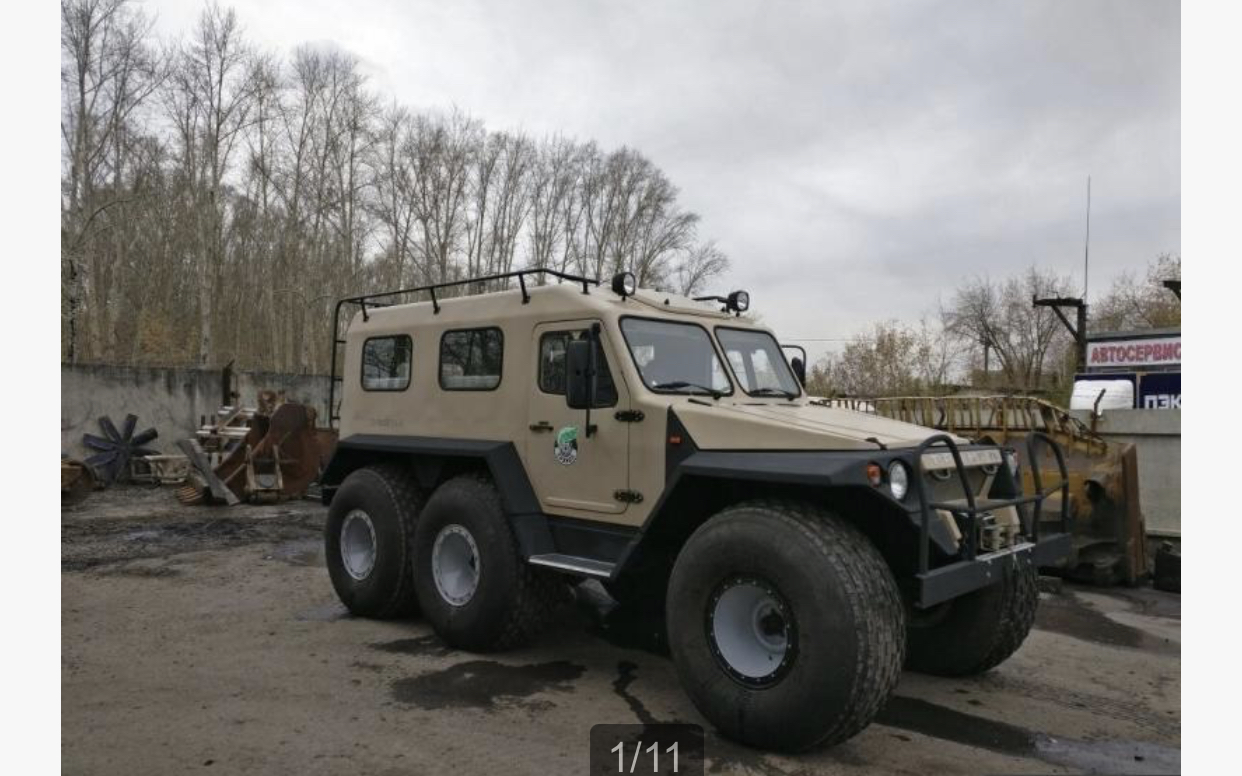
x: 363, y: 301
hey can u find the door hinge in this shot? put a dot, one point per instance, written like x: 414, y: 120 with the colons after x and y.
x: 629, y: 416
x: 628, y: 496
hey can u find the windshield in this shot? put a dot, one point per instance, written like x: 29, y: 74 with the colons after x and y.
x: 758, y: 363
x: 675, y: 357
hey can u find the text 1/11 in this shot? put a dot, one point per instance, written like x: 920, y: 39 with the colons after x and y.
x: 653, y: 750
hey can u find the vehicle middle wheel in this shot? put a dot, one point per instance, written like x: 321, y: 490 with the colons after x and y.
x: 785, y: 624
x: 473, y: 585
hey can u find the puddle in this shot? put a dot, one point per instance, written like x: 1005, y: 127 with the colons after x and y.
x: 621, y: 686
x: 1116, y: 757
x: 142, y: 536
x: 423, y: 646
x: 141, y: 571
x: 1069, y: 616
x: 484, y: 684
x: 303, y: 552
x: 938, y: 721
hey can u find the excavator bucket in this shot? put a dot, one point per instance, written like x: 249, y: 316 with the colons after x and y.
x: 276, y: 460
x: 1109, y: 536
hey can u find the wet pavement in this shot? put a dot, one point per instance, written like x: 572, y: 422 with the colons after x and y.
x: 209, y: 638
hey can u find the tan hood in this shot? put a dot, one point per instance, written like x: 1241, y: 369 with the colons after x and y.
x: 725, y: 425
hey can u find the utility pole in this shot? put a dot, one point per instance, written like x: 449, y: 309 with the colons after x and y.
x: 1079, y: 331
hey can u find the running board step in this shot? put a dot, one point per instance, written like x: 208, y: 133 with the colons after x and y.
x: 572, y: 563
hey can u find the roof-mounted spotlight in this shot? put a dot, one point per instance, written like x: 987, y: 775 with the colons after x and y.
x: 738, y: 301
x: 624, y: 284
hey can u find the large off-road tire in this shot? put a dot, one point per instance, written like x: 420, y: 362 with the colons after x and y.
x: 473, y: 585
x: 978, y: 631
x: 792, y: 590
x: 368, y: 540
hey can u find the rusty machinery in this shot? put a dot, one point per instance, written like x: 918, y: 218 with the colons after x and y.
x: 1109, y: 537
x: 277, y: 458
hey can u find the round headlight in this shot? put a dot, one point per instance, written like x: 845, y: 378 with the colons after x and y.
x: 624, y: 283
x: 739, y: 300
x: 898, y: 479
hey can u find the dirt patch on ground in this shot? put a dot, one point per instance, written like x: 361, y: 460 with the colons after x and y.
x: 195, y: 635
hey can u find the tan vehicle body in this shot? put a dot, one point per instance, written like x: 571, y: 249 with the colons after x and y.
x: 800, y: 554
x: 620, y: 456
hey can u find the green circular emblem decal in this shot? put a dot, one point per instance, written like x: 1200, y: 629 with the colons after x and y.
x: 565, y: 448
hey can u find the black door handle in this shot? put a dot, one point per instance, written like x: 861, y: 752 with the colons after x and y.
x: 542, y: 425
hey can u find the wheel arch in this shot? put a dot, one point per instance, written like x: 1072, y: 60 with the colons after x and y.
x: 692, y: 499
x: 434, y: 460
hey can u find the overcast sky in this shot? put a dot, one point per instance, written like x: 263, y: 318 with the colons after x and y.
x: 856, y: 160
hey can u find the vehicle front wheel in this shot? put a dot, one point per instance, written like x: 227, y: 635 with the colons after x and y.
x: 473, y: 585
x: 785, y: 624
x: 978, y: 631
x: 367, y: 541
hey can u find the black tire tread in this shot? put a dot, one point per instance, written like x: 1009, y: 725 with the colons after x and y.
x: 537, y: 593
x: 980, y: 643
x: 401, y: 488
x: 875, y: 598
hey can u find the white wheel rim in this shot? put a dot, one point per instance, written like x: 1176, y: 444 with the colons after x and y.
x: 358, y: 544
x: 751, y: 630
x: 455, y: 565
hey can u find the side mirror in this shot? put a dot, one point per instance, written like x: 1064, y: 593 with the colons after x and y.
x: 799, y: 370
x: 580, y: 377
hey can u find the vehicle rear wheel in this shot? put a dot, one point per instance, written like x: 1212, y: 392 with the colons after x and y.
x: 785, y: 624
x: 978, y: 631
x: 473, y: 585
x: 368, y: 539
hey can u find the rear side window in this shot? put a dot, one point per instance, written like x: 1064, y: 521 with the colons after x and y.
x: 470, y: 359
x: 386, y: 363
x: 552, y: 348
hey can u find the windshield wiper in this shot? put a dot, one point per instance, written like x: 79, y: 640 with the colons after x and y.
x: 769, y: 391
x: 678, y: 384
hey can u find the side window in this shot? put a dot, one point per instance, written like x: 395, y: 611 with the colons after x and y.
x: 386, y: 363
x: 470, y: 359
x: 552, y: 367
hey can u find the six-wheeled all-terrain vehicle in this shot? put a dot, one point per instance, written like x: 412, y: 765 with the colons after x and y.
x: 496, y: 448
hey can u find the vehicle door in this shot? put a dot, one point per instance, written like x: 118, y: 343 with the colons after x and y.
x: 573, y: 472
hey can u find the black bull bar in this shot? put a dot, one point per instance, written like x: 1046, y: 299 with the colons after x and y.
x: 974, y: 571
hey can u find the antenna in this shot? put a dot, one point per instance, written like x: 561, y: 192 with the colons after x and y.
x: 1086, y: 249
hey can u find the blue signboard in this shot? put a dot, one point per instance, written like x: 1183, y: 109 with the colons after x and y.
x: 1160, y: 391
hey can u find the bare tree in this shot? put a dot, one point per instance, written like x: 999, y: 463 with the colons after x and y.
x: 1141, y: 304
x: 217, y: 198
x: 702, y: 263
x: 997, y: 319
x: 108, y: 70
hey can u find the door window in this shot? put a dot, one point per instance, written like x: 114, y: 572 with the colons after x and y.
x: 552, y: 347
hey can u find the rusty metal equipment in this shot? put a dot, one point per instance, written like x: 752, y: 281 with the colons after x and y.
x: 276, y: 459
x: 1108, y: 536
x: 77, y: 480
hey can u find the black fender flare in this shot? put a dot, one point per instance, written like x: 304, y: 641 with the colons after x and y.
x: 429, y: 457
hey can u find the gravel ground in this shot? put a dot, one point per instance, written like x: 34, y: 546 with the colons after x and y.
x: 210, y: 639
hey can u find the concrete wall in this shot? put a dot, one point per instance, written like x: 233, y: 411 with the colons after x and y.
x: 171, y: 400
x: 1158, y: 437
